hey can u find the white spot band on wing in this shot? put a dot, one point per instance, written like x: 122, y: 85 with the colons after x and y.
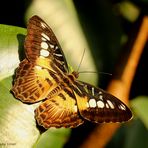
x: 100, y: 104
x: 44, y: 53
x: 92, y: 103
x: 44, y: 45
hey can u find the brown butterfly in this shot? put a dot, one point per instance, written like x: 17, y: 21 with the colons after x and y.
x: 66, y: 102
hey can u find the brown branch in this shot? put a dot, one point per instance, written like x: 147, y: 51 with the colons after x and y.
x: 121, y: 88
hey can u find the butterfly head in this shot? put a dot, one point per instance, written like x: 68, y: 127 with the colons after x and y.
x: 75, y: 74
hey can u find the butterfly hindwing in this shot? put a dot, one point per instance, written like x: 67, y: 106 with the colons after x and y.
x: 59, y: 111
x: 99, y: 106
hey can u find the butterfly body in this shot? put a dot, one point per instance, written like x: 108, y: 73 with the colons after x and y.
x: 66, y: 102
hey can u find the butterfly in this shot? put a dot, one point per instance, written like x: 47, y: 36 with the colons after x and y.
x: 43, y: 76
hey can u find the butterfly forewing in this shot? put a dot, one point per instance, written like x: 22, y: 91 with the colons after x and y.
x: 99, y: 106
x: 41, y: 42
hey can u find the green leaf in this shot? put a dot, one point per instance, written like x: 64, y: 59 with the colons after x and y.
x: 136, y: 135
x: 53, y: 138
x: 11, y: 42
x: 140, y: 107
x: 130, y: 135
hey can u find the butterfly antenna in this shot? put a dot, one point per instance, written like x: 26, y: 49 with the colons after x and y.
x: 87, y: 72
x: 106, y: 73
x: 81, y: 60
x: 95, y: 72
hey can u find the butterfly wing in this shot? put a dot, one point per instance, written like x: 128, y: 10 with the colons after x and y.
x: 33, y: 83
x: 59, y: 111
x: 99, y: 106
x: 44, y: 65
x: 41, y: 42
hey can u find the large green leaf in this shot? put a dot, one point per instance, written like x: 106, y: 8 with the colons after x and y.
x: 136, y: 135
x: 131, y: 135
